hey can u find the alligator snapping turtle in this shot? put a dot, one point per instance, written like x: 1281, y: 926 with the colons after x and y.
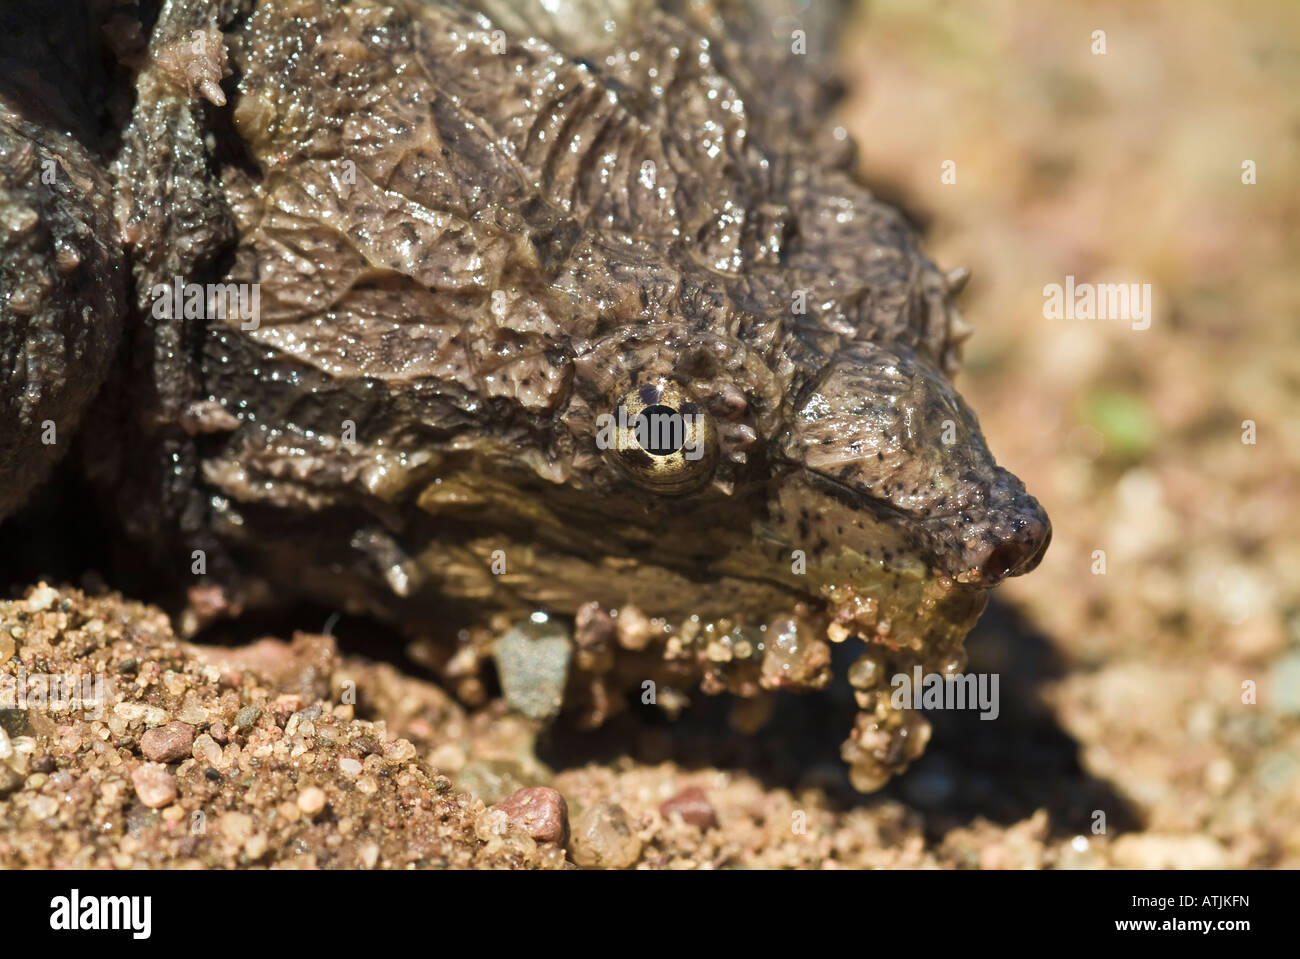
x: 403, y: 292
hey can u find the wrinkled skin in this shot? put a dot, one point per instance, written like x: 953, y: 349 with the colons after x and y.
x: 474, y: 234
x: 62, y: 271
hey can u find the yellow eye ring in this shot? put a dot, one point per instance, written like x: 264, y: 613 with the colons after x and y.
x: 661, y: 437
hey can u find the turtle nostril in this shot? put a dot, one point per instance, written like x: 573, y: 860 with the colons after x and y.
x: 1004, y: 559
x: 1016, y: 556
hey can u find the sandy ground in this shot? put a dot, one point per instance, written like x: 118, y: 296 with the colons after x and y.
x: 1150, y: 713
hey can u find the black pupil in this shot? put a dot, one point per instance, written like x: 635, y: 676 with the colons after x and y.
x: 663, y: 428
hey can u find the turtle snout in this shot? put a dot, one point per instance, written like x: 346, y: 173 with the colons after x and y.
x: 1014, y: 546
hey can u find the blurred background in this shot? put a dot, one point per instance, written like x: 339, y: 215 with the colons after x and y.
x: 1126, y: 166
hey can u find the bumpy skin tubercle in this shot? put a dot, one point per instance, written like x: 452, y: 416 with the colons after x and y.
x: 61, y: 266
x: 475, y: 236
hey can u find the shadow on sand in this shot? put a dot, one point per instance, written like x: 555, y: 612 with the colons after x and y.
x: 1002, y: 770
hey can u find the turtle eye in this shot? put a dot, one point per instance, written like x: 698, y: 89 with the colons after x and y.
x: 662, y: 438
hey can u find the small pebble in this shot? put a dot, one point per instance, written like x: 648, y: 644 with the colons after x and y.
x: 10, y: 781
x: 491, y: 823
x: 539, y: 811
x: 350, y: 767
x: 603, y: 839
x: 134, y: 712
x: 532, y: 661
x: 369, y: 854
x: 246, y: 718
x: 693, y: 806
x: 168, y: 744
x: 155, y: 786
x: 399, y: 751
x: 205, y: 750
x: 311, y: 800
x: 41, y: 598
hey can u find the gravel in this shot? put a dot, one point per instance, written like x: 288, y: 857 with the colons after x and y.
x: 168, y: 744
x: 539, y: 811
